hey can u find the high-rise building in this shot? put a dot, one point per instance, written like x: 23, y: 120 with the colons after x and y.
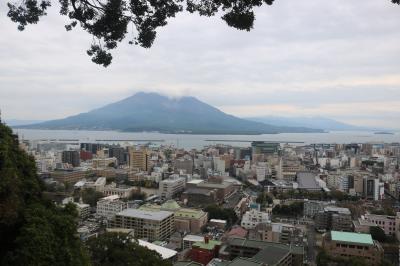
x: 373, y: 189
x: 71, y: 157
x: 139, y: 159
x: 91, y: 147
x: 120, y: 153
x: 264, y: 148
x: 334, y: 218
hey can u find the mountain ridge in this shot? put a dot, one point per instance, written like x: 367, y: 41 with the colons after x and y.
x: 310, y: 122
x: 154, y: 112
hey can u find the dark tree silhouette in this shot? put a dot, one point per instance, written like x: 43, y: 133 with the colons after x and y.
x: 108, y: 20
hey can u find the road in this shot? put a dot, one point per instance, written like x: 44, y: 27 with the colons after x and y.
x: 311, y: 246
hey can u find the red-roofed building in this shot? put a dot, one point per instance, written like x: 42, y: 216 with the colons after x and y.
x: 204, y: 252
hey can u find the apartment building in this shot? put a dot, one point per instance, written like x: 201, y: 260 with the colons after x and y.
x: 168, y: 188
x: 150, y: 225
x: 253, y: 217
x: 109, y: 206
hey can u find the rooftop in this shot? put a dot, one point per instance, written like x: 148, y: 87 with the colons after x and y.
x: 271, y: 255
x: 214, y: 185
x: 193, y: 238
x: 209, y: 246
x: 352, y: 237
x: 296, y: 249
x: 142, y: 214
x: 244, y: 262
x: 195, y: 181
x: 165, y: 253
x: 337, y: 209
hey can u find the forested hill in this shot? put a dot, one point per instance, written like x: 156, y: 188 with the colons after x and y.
x: 33, y: 231
x: 36, y: 232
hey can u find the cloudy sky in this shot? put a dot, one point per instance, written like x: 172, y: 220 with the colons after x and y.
x: 338, y: 59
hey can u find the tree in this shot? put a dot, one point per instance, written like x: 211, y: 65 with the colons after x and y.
x: 377, y: 233
x: 216, y: 212
x: 113, y: 249
x: 294, y: 209
x: 263, y: 199
x: 33, y: 231
x: 91, y: 196
x: 108, y: 21
x: 322, y: 258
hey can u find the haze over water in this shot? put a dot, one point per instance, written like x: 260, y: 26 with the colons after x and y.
x: 187, y: 141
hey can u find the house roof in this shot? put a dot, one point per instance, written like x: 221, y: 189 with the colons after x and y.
x: 352, y: 237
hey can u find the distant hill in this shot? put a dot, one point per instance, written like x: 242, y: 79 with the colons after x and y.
x: 18, y: 122
x: 154, y: 112
x: 309, y: 122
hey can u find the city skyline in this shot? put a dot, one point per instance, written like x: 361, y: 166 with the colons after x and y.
x: 301, y: 59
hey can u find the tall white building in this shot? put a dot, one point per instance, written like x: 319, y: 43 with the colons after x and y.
x: 261, y: 171
x: 169, y: 187
x: 219, y: 165
x: 253, y: 217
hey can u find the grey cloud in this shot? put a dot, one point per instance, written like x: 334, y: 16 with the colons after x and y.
x: 293, y: 44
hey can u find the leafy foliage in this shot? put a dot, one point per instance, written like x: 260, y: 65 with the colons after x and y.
x: 91, y: 196
x: 377, y: 233
x: 263, y: 199
x: 32, y: 230
x: 216, y: 212
x: 109, y: 20
x: 294, y: 209
x: 112, y: 249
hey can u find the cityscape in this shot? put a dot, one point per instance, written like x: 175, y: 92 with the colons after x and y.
x: 269, y: 203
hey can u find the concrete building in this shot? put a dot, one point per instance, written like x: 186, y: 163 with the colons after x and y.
x: 200, y: 192
x: 185, y: 164
x: 203, y: 252
x: 109, y: 206
x: 334, y: 218
x: 121, y: 191
x: 267, y: 253
x: 373, y: 188
x: 219, y: 165
x: 253, y: 217
x: 83, y: 210
x: 71, y: 157
x: 104, y: 162
x: 186, y: 220
x: 168, y: 188
x: 261, y: 171
x: 120, y: 154
x: 139, y: 159
x: 385, y: 222
x: 151, y: 225
x: 312, y: 207
x: 288, y: 167
x: 277, y: 233
x: 97, y: 185
x: 347, y: 245
x: 264, y: 148
x: 189, y: 240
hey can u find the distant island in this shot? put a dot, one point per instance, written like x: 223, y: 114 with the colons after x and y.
x: 383, y: 133
x: 152, y: 112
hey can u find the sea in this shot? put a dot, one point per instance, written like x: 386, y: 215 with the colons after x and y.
x: 188, y: 141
